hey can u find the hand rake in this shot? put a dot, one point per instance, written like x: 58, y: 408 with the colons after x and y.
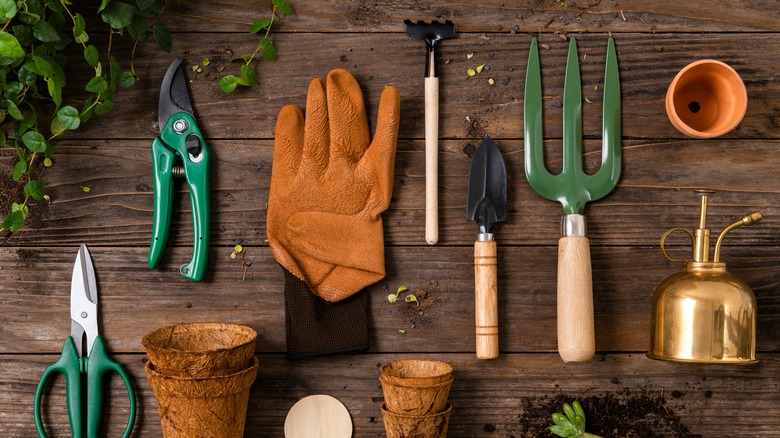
x: 432, y: 33
x: 573, y: 188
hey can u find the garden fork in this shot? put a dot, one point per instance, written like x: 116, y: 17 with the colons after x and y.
x: 573, y: 188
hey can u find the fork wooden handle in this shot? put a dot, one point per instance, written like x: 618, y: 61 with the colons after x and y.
x: 486, y: 298
x: 576, y: 337
x: 431, y: 160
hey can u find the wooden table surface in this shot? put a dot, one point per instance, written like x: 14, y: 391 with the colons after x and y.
x: 654, y: 38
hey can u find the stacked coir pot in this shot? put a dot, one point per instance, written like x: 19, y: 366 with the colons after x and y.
x: 416, y: 394
x: 201, y: 374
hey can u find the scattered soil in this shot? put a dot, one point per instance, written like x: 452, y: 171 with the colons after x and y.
x: 625, y: 413
x: 411, y: 315
x: 474, y: 128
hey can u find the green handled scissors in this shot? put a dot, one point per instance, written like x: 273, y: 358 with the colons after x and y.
x: 82, y: 391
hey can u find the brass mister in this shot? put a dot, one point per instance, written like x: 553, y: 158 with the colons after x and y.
x: 704, y: 314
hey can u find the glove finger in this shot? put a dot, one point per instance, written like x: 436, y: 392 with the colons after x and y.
x: 349, y: 135
x: 288, y: 142
x: 379, y: 160
x: 315, y: 144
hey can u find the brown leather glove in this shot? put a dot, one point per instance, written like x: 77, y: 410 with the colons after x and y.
x: 329, y: 185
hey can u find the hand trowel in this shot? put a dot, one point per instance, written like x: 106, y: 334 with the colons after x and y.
x: 486, y: 207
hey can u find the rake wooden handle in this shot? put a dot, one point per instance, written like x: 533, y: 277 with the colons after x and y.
x: 486, y: 298
x: 431, y: 160
x: 576, y: 337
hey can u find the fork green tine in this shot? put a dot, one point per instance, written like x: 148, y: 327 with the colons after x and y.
x: 573, y: 188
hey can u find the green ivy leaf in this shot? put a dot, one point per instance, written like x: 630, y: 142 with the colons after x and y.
x: 228, y: 83
x: 56, y: 127
x: 34, y: 141
x: 8, y: 8
x: 55, y: 91
x: 144, y: 4
x: 47, y: 162
x: 83, y: 38
x: 126, y: 79
x: 13, y: 110
x: 162, y: 35
x: 10, y: 50
x: 117, y: 15
x: 138, y: 28
x: 91, y: 55
x: 97, y: 85
x: 78, y: 25
x: 69, y: 117
x: 103, y: 5
x: 269, y: 49
x: 23, y: 208
x: 35, y: 189
x: 20, y: 169
x: 283, y: 7
x: 43, y: 67
x: 43, y: 31
x: 259, y: 25
x: 24, y: 125
x: 248, y: 76
x: 104, y: 107
x: 29, y: 17
x: 14, y: 221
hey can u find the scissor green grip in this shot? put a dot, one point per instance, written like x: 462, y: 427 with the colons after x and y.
x: 69, y: 365
x: 99, y: 364
x: 163, y: 160
x: 169, y: 146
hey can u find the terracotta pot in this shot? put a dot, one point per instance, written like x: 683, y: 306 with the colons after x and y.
x: 416, y: 426
x: 706, y: 99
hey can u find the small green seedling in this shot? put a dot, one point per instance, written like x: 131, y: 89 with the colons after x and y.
x: 572, y: 424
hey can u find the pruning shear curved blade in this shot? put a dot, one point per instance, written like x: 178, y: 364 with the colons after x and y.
x: 174, y: 97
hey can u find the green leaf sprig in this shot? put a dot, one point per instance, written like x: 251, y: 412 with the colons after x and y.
x: 572, y: 424
x: 34, y: 38
x: 265, y: 47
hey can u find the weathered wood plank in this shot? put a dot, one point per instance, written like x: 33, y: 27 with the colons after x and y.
x: 486, y: 395
x: 484, y: 16
x: 34, y: 297
x: 469, y: 108
x: 653, y: 194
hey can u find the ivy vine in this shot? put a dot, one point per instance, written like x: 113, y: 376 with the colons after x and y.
x: 34, y: 38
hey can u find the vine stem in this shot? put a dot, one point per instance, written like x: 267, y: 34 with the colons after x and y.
x: 267, y: 32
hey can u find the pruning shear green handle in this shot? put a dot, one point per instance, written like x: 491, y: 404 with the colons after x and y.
x: 179, y: 151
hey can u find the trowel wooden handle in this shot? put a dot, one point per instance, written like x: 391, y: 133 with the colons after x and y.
x: 431, y: 160
x: 486, y: 298
x: 576, y: 337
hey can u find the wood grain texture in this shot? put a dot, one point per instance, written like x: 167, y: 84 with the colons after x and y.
x: 576, y: 332
x: 486, y: 298
x: 490, y: 395
x: 134, y: 301
x: 654, y: 38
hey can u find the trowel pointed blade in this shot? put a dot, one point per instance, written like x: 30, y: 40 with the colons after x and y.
x: 487, y: 187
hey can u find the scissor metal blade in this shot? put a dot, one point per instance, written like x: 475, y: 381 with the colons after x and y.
x: 83, y: 302
x: 174, y: 96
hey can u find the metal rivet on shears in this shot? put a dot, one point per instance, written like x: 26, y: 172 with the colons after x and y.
x: 180, y: 126
x: 83, y: 314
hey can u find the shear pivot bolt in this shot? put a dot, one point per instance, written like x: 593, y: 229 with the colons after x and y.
x: 83, y: 314
x: 180, y: 126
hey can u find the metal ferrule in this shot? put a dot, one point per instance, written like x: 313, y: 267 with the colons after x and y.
x: 573, y: 225
x: 430, y: 61
x: 484, y: 237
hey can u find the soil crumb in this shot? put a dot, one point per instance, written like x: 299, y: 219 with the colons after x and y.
x: 623, y: 414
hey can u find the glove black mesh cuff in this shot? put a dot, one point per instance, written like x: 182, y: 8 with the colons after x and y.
x: 316, y: 327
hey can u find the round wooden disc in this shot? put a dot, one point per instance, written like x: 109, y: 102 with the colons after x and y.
x: 318, y: 416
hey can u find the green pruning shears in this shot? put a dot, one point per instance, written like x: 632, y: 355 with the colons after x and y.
x: 84, y: 376
x: 179, y: 151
